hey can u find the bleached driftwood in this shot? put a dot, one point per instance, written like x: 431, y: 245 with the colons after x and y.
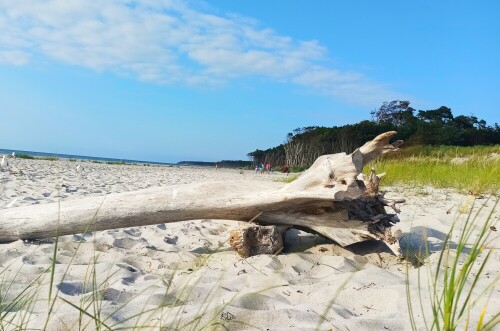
x: 327, y: 198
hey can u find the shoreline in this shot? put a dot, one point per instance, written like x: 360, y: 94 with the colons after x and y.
x: 38, y: 155
x: 72, y: 157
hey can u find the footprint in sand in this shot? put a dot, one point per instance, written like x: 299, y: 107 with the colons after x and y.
x: 256, y: 301
x: 33, y: 260
x: 171, y: 240
x: 32, y: 200
x: 127, y: 243
x: 111, y: 294
x: 132, y: 232
x: 6, y: 256
x: 344, y: 312
x: 74, y: 288
x: 132, y: 273
x: 162, y: 299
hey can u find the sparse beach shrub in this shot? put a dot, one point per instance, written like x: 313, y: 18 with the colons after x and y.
x: 287, y: 179
x: 25, y: 156
x: 47, y: 158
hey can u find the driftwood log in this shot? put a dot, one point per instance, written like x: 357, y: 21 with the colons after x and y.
x: 329, y: 198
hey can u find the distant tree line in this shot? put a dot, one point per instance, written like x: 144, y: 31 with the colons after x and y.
x: 422, y: 127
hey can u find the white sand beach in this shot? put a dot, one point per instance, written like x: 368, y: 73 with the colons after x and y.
x: 185, y: 276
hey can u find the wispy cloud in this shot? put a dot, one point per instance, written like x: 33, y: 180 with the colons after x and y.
x: 171, y: 42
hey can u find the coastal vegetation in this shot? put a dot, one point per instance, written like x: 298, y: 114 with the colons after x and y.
x: 287, y: 179
x: 31, y: 157
x: 47, y: 158
x: 440, y: 150
x: 419, y: 129
x: 470, y: 170
x: 26, y: 156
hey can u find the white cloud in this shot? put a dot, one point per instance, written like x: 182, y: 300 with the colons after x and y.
x: 14, y: 57
x: 170, y: 42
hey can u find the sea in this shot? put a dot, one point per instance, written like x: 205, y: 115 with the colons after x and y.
x: 77, y: 157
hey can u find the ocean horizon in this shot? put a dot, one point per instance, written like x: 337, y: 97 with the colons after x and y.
x: 78, y: 157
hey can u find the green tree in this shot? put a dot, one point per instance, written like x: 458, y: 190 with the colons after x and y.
x: 396, y: 112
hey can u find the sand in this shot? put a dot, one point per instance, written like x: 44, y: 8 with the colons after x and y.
x: 185, y: 276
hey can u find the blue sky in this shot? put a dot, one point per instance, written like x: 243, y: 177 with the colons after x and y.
x: 190, y: 80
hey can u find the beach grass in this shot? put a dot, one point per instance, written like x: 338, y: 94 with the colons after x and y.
x: 472, y: 170
x: 31, y: 157
x: 452, y: 283
x: 287, y: 179
x: 47, y: 158
x: 444, y: 151
x: 17, y: 308
x: 25, y: 156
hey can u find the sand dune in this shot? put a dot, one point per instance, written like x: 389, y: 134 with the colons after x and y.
x: 185, y: 276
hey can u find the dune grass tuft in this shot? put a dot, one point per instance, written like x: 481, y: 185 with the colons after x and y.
x: 453, y: 283
x: 25, y: 156
x: 47, y: 158
x: 287, y: 179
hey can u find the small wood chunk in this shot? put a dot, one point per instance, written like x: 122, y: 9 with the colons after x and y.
x: 257, y: 239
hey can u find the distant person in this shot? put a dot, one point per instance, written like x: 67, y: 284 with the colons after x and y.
x: 4, y: 163
x: 13, y: 155
x: 286, y: 169
x: 216, y: 166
